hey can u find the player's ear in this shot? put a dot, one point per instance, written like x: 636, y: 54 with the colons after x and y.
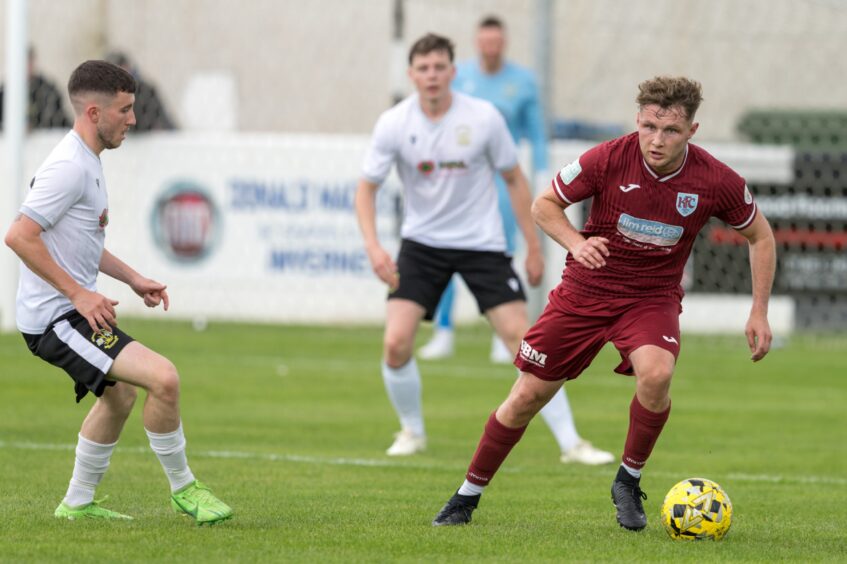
x: 92, y: 110
x: 693, y: 129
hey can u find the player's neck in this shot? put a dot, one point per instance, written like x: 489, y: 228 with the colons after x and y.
x: 89, y: 137
x: 435, y: 108
x: 491, y: 66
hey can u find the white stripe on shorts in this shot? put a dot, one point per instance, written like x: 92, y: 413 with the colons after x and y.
x: 80, y: 345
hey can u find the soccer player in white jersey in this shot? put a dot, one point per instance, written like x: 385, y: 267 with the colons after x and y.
x: 59, y: 236
x: 447, y: 148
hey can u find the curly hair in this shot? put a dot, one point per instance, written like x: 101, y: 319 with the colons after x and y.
x: 670, y: 91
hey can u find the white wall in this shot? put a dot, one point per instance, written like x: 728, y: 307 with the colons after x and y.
x: 323, y: 65
x: 289, y: 197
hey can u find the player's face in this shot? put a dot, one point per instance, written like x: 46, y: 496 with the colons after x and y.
x: 663, y: 134
x: 115, y: 118
x: 432, y: 73
x: 491, y: 43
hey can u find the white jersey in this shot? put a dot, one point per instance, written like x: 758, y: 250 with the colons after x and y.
x: 447, y: 169
x: 67, y: 198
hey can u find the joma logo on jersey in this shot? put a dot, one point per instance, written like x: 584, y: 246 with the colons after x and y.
x: 532, y: 356
x: 686, y: 203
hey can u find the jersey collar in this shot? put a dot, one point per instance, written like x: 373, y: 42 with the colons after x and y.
x: 667, y: 176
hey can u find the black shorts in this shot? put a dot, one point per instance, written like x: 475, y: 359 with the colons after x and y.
x: 425, y: 272
x: 86, y: 356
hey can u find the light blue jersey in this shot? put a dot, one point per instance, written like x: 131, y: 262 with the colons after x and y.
x: 514, y: 92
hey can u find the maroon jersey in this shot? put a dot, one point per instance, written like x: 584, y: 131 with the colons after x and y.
x: 651, y: 221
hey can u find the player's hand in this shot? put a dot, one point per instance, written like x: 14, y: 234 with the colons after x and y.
x: 97, y: 309
x: 759, y: 336
x: 592, y: 252
x: 534, y: 268
x: 384, y: 267
x: 153, y: 293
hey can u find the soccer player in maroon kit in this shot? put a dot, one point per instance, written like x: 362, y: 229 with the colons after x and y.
x: 652, y: 193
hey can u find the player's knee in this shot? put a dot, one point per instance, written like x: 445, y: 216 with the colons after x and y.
x: 522, y: 405
x: 397, y: 350
x: 166, y: 382
x: 655, y: 381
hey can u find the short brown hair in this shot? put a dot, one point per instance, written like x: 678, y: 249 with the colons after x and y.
x: 429, y: 43
x: 100, y: 77
x: 491, y: 21
x: 669, y: 91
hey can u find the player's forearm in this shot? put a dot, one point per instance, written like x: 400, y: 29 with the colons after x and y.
x: 521, y: 201
x: 111, y: 265
x: 37, y: 258
x: 762, y: 269
x: 551, y: 218
x: 366, y: 213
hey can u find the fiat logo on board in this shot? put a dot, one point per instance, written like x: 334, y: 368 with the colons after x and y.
x: 186, y: 223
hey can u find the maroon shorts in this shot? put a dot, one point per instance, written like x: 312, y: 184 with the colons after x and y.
x: 574, y: 327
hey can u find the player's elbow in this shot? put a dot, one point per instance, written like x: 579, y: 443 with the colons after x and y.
x: 541, y: 209
x: 12, y: 239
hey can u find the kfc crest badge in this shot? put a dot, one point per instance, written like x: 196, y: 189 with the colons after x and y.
x: 686, y: 203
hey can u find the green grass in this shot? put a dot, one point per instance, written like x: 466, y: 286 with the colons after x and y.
x: 289, y: 426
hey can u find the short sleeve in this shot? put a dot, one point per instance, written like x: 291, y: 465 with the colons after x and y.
x: 736, y: 205
x: 501, y: 147
x: 579, y: 180
x: 382, y: 151
x: 52, y: 192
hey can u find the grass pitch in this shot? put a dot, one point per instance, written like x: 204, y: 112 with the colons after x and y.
x: 289, y: 425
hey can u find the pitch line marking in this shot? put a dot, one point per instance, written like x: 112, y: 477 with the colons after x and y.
x: 380, y: 463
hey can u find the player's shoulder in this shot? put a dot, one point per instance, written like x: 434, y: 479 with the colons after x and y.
x: 518, y: 71
x: 617, y: 148
x: 69, y: 153
x: 468, y: 104
x: 396, y: 117
x: 400, y: 110
x: 706, y: 164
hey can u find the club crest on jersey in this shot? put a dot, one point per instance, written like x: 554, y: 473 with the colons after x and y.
x: 686, y: 203
x: 426, y: 167
x: 104, y: 218
x: 463, y: 135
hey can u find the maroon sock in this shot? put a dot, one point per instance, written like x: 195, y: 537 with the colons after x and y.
x: 645, y: 426
x: 494, y: 446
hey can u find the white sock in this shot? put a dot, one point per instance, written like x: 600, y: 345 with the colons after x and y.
x: 404, y: 390
x: 558, y: 416
x: 170, y: 449
x: 470, y: 489
x: 634, y: 472
x: 92, y: 461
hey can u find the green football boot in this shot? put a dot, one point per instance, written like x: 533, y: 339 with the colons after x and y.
x: 90, y: 511
x: 198, y: 501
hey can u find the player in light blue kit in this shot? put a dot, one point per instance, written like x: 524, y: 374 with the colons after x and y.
x: 513, y: 91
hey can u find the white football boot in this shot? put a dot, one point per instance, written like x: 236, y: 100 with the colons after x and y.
x: 406, y: 443
x: 586, y: 453
x: 439, y: 346
x: 500, y: 353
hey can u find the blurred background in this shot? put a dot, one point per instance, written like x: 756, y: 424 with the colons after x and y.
x: 237, y: 187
